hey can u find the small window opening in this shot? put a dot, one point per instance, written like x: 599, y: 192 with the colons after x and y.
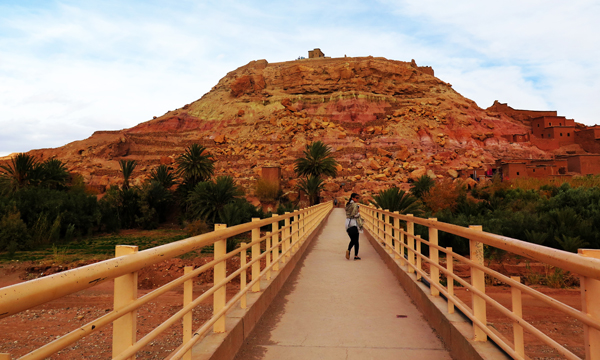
x: 517, y: 173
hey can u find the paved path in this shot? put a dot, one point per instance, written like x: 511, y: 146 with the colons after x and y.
x: 333, y: 308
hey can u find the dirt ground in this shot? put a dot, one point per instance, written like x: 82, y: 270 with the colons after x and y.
x: 33, y: 328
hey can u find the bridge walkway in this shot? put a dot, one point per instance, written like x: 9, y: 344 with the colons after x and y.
x: 333, y: 308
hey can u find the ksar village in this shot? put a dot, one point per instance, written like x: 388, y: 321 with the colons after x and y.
x: 395, y: 180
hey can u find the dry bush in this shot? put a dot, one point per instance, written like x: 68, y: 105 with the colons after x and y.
x: 197, y: 227
x: 444, y: 195
x: 266, y: 190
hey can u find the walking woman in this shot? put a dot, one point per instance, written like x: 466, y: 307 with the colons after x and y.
x: 353, y: 222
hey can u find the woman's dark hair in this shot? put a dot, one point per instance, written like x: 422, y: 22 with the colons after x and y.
x: 351, y: 197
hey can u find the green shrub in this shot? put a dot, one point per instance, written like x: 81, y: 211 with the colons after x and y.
x: 13, y: 233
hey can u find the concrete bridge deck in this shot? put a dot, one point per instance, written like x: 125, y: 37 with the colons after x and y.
x: 333, y: 308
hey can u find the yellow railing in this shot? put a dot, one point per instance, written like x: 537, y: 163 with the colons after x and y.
x: 279, y: 245
x: 400, y: 241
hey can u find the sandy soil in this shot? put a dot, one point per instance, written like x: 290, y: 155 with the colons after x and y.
x: 33, y: 328
x: 563, y: 329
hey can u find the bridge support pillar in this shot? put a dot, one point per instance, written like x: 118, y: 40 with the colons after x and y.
x: 220, y: 273
x: 590, y: 304
x: 124, y: 328
x: 478, y: 282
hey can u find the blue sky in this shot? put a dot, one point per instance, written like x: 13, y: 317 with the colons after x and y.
x: 68, y: 68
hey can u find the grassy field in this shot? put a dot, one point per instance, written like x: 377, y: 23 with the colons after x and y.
x: 99, y: 247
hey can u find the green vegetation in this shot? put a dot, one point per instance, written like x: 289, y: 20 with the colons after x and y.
x: 318, y: 161
x: 565, y: 216
x: 99, y: 247
x: 311, y: 186
x: 394, y: 199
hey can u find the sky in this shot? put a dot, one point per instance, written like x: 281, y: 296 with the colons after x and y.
x: 69, y: 68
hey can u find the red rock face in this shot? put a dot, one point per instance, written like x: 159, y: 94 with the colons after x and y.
x: 385, y: 120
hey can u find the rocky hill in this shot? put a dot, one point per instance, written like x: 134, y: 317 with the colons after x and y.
x: 387, y: 121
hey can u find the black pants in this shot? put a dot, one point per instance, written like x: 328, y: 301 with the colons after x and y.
x: 353, y: 233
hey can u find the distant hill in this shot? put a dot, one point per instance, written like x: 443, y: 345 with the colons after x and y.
x: 387, y: 121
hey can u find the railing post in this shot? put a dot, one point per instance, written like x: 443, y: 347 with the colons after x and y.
x: 255, y: 255
x: 397, y: 235
x: 275, y: 244
x: 379, y: 234
x: 478, y: 282
x: 410, y: 242
x: 5, y: 357
x: 301, y: 227
x: 387, y: 233
x: 243, y: 275
x: 590, y: 300
x: 125, y: 289
x: 219, y: 274
x: 268, y: 256
x: 295, y: 230
x: 434, y: 272
x: 418, y: 258
x: 286, y: 237
x: 450, y: 280
x: 517, y: 309
x: 188, y: 289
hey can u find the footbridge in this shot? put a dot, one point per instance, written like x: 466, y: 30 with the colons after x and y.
x: 300, y: 298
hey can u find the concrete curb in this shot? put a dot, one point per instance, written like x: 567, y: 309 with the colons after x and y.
x: 239, y: 323
x: 455, y: 330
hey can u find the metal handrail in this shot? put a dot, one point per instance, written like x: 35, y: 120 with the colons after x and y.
x: 20, y: 297
x: 379, y: 226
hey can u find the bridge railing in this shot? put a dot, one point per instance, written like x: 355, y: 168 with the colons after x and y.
x: 276, y: 247
x: 397, y: 235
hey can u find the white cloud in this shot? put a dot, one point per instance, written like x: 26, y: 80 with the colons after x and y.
x: 68, y: 69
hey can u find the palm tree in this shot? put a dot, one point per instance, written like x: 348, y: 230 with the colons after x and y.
x: 195, y: 165
x: 311, y: 186
x: 19, y: 173
x: 571, y: 243
x: 127, y: 167
x: 53, y: 174
x: 208, y: 198
x: 394, y: 199
x: 317, y: 161
x: 163, y: 175
x: 421, y: 186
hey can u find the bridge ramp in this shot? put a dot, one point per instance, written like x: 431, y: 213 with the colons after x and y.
x: 333, y: 308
